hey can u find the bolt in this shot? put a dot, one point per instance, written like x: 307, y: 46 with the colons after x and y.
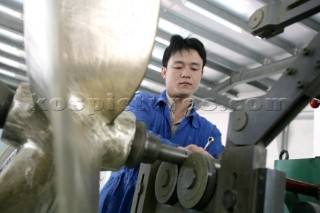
x: 255, y: 19
x: 240, y: 120
x: 229, y: 199
x: 300, y: 84
x: 291, y: 71
x: 307, y: 51
x: 261, y: 177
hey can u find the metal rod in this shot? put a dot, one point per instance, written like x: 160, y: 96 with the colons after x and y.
x: 302, y: 188
x: 173, y: 155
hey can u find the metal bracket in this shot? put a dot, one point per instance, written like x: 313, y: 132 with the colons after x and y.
x: 271, y: 19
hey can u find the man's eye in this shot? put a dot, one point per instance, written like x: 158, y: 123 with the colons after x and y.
x: 194, y: 68
x: 178, y: 68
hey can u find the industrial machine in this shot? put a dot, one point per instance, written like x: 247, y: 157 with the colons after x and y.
x: 65, y: 136
x: 240, y: 182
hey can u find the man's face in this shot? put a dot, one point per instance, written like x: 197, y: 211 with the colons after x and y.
x: 183, y: 73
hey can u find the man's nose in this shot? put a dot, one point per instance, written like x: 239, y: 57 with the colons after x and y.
x: 185, y: 73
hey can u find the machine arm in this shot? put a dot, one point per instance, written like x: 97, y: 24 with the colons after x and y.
x: 271, y: 19
x: 259, y: 120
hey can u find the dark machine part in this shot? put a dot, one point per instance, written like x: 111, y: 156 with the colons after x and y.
x: 260, y: 120
x: 240, y: 185
x: 196, y: 181
x: 245, y: 186
x: 147, y: 148
x: 166, y: 183
x: 257, y: 122
x: 6, y: 96
x: 302, y: 184
x: 157, y: 188
x: 306, y: 207
x: 271, y: 19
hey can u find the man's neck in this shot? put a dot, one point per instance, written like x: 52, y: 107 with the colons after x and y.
x: 182, y: 104
x: 179, y: 105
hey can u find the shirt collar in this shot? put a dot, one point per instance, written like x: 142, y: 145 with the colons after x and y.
x: 171, y: 105
x: 193, y: 114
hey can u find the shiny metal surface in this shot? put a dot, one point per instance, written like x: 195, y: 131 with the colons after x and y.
x: 101, y: 49
x: 85, y: 60
x: 29, y: 181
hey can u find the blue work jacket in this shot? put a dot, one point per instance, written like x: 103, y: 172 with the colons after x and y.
x: 117, y: 193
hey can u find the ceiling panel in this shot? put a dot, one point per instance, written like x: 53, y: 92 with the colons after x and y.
x: 240, y: 65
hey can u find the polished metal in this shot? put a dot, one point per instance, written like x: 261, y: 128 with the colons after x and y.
x: 29, y: 181
x: 98, y: 50
x: 85, y: 60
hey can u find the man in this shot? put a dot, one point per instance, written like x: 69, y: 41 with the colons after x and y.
x: 171, y: 115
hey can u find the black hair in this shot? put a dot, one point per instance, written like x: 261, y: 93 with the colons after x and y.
x: 177, y: 43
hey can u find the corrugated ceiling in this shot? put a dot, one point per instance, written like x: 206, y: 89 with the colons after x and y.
x: 239, y: 66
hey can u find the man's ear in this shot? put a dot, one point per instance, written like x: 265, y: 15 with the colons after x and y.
x: 163, y: 72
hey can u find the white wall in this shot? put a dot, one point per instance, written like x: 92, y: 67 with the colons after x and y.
x: 219, y: 118
x: 104, y: 176
x: 303, y: 138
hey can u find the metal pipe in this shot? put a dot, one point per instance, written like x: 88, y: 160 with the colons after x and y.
x: 303, y: 188
x: 147, y: 148
x: 172, y: 155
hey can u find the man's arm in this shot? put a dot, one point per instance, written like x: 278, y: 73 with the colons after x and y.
x: 139, y: 107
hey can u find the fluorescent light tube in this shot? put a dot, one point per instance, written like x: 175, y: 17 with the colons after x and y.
x: 213, y: 17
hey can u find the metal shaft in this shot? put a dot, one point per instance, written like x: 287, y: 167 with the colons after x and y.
x: 147, y: 148
x: 172, y: 155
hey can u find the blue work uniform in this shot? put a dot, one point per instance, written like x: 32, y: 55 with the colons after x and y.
x: 118, y: 192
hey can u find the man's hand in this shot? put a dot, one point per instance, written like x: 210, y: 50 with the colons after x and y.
x: 195, y: 148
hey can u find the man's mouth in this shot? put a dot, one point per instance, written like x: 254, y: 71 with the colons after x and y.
x: 185, y: 83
